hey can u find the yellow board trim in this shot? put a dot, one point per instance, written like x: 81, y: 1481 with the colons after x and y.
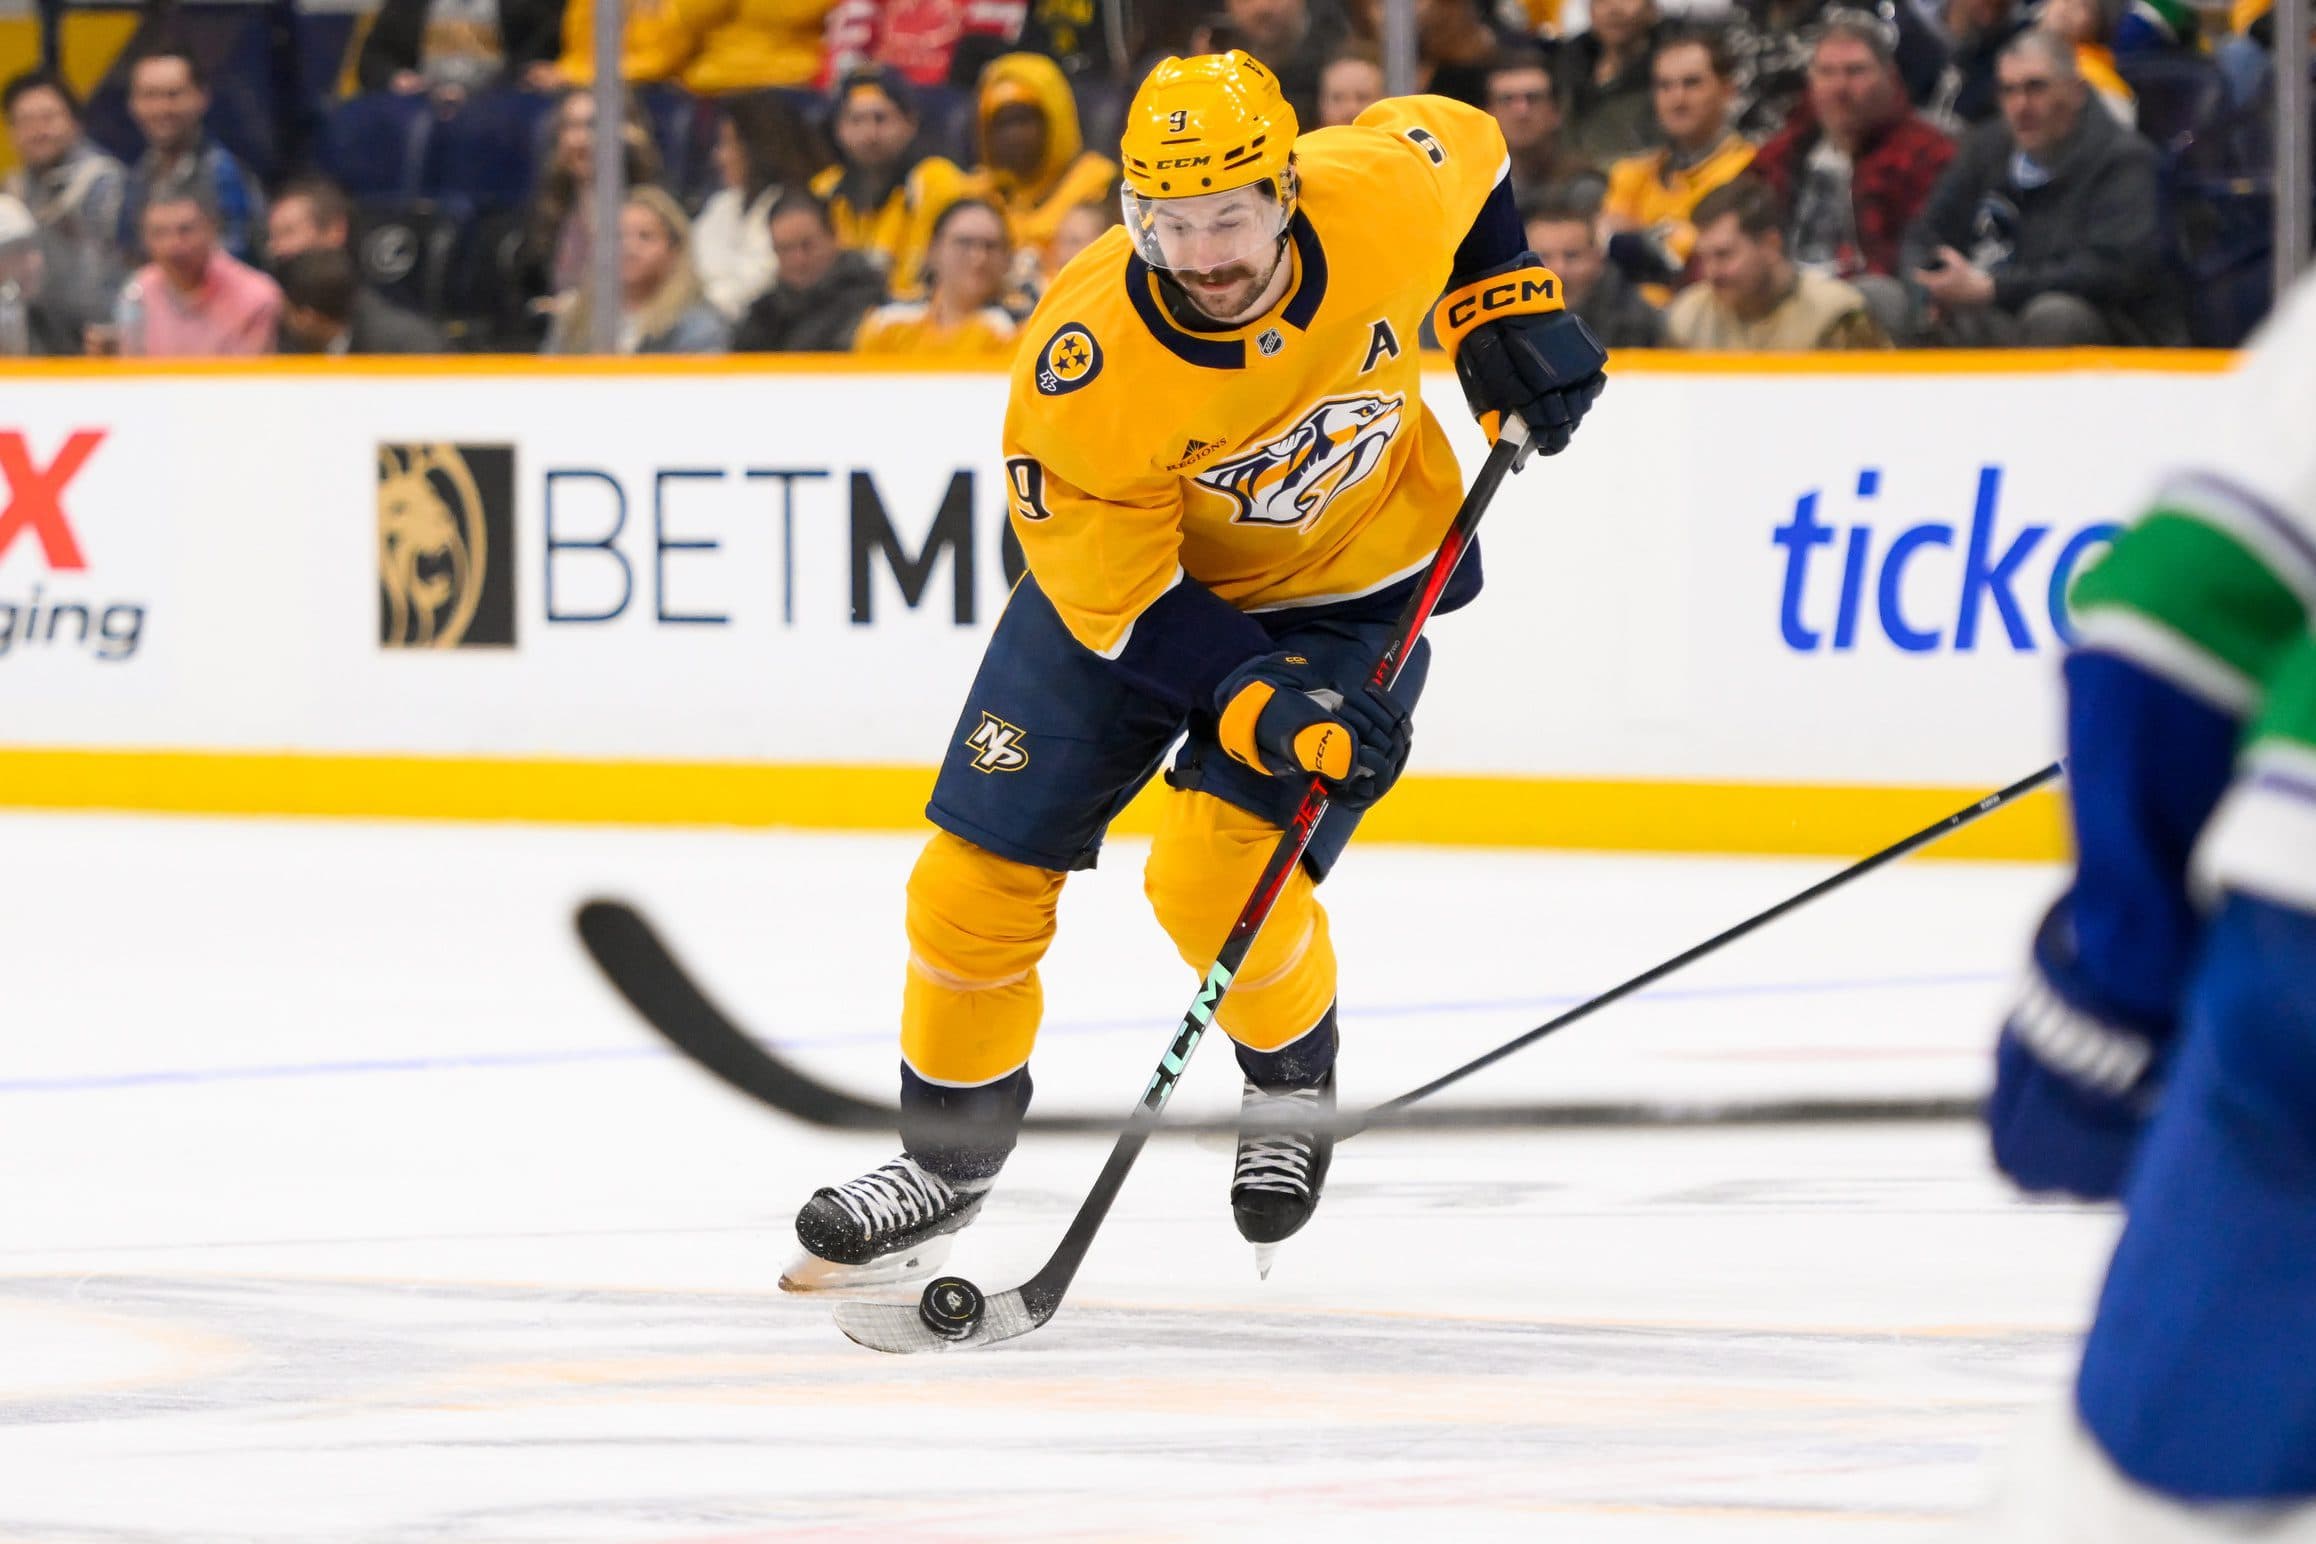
x: 1584, y: 815
x: 1668, y: 362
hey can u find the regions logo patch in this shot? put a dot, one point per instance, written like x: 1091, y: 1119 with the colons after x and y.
x: 1069, y: 360
x: 997, y: 745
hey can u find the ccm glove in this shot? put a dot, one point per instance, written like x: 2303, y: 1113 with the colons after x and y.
x: 1518, y: 351
x: 2073, y: 1081
x: 1279, y: 717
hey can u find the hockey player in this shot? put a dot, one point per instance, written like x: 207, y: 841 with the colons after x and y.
x: 2165, y: 1047
x: 1225, y: 479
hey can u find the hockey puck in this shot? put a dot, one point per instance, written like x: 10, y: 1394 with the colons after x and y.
x: 951, y: 1307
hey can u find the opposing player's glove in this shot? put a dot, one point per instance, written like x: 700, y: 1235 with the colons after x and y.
x: 1517, y: 350
x: 1280, y: 717
x: 2073, y: 1082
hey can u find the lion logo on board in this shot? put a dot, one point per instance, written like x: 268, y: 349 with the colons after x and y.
x: 445, y: 546
x: 1069, y: 360
x: 1291, y: 480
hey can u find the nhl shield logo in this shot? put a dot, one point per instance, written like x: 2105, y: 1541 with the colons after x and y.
x: 1270, y: 342
x: 1070, y: 359
x: 997, y: 745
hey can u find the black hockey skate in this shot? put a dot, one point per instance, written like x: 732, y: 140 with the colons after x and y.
x: 1285, y: 1144
x: 893, y: 1224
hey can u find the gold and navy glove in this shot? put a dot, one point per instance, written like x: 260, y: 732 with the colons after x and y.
x: 1518, y: 350
x: 1280, y: 718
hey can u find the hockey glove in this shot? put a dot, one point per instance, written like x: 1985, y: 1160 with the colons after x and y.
x: 1517, y: 351
x: 2073, y: 1083
x: 1279, y: 717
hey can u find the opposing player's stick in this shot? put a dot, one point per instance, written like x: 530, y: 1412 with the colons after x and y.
x: 645, y: 972
x: 955, y: 1304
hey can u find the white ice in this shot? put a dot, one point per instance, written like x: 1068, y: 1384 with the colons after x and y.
x: 343, y: 1201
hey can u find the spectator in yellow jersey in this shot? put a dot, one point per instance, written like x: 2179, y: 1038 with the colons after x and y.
x: 712, y: 47
x: 1033, y: 156
x: 661, y: 307
x: 960, y: 316
x: 1350, y: 82
x: 881, y: 201
x: 1651, y: 197
x: 1751, y: 296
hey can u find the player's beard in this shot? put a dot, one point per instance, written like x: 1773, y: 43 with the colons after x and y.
x: 1227, y: 293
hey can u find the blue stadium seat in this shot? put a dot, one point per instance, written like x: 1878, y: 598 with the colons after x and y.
x: 374, y: 146
x: 2179, y: 94
x: 487, y: 154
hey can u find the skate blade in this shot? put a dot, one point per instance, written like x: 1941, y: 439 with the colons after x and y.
x: 1264, y: 1255
x: 810, y: 1273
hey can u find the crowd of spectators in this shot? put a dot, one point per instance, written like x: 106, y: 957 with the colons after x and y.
x: 905, y: 178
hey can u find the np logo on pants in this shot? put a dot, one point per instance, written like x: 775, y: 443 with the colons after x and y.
x: 997, y: 746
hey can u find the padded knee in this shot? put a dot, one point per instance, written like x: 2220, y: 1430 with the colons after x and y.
x: 978, y: 925
x: 1203, y: 865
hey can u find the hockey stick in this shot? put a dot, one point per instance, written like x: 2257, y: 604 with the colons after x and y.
x: 642, y: 968
x: 952, y: 1311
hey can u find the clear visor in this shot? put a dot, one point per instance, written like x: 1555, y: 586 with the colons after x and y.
x: 1211, y: 230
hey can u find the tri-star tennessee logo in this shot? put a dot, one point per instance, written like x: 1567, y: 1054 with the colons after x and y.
x: 1070, y: 359
x: 997, y: 745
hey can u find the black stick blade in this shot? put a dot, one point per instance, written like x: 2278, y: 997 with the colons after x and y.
x: 642, y: 969
x: 901, y: 1329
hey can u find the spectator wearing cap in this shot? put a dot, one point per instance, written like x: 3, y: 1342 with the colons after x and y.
x: 2043, y: 229
x: 1034, y: 164
x: 1771, y: 42
x: 310, y: 215
x: 1350, y: 82
x: 1750, y: 296
x: 194, y: 300
x: 73, y: 191
x: 882, y: 198
x: 960, y: 316
x: 1601, y: 80
x: 1564, y: 230
x: 709, y: 47
x: 1521, y: 99
x: 1856, y: 165
x: 2090, y: 26
x: 1650, y: 197
x: 169, y: 99
x: 451, y: 49
x: 823, y: 291
x: 661, y: 307
x: 31, y: 323
x: 1981, y: 30
x: 762, y: 151
x: 327, y: 310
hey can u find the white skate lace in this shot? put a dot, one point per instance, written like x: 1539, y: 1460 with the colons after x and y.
x: 1273, y: 1156
x: 894, y: 1196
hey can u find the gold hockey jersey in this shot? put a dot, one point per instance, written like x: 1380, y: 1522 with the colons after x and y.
x: 1286, y: 462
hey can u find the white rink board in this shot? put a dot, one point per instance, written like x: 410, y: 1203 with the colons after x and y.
x: 1638, y: 610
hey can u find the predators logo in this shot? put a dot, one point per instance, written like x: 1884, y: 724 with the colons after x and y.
x: 1291, y: 480
x: 997, y: 745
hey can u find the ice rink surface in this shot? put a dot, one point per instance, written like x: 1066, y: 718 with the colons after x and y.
x: 344, y: 1201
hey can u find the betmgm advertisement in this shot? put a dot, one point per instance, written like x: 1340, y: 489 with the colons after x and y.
x: 1736, y: 583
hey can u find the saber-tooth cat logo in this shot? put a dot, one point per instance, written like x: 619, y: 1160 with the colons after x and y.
x: 997, y: 745
x: 1291, y: 480
x: 446, y: 546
